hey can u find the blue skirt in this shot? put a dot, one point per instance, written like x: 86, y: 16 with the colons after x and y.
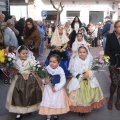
x: 64, y: 63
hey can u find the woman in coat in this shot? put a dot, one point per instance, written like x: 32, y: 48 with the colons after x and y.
x: 112, y: 49
x: 32, y: 37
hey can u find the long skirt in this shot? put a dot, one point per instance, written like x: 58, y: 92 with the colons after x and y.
x: 54, y: 103
x: 24, y: 96
x: 85, y: 98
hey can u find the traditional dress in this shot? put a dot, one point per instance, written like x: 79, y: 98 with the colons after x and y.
x: 61, y: 43
x: 84, y: 94
x: 75, y: 47
x: 75, y: 27
x: 54, y: 103
x: 85, y: 33
x: 24, y: 94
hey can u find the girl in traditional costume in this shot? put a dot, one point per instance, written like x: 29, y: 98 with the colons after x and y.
x: 78, y: 42
x: 24, y: 94
x: 54, y: 99
x: 60, y: 40
x: 84, y: 90
x: 84, y: 32
x: 75, y: 25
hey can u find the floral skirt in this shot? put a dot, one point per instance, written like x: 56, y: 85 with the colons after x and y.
x: 24, y: 96
x: 115, y: 75
x: 86, y: 98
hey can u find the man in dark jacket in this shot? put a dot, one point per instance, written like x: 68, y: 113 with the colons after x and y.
x: 105, y: 30
x: 112, y: 48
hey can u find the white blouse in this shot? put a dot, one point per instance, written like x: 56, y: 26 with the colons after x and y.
x: 57, y: 71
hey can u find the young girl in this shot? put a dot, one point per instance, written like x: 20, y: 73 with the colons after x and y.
x: 54, y: 99
x: 84, y: 90
x: 78, y: 41
x: 12, y: 49
x: 24, y: 94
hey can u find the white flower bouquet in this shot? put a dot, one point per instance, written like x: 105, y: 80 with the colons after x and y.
x: 10, y: 60
x: 38, y: 69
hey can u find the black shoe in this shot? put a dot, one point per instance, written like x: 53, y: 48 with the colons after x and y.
x: 18, y: 117
x: 81, y: 114
x: 55, y: 117
x: 29, y: 113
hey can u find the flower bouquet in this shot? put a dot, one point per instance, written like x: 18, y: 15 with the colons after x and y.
x: 48, y: 46
x: 6, y: 63
x: 89, y: 38
x: 6, y: 60
x: 99, y: 62
x: 88, y: 44
x: 10, y: 60
x: 39, y: 70
x: 2, y: 58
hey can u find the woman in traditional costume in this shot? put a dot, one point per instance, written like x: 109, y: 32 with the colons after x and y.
x: 75, y: 25
x: 59, y: 41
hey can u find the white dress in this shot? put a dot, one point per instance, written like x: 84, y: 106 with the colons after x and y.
x: 54, y: 103
x: 75, y: 47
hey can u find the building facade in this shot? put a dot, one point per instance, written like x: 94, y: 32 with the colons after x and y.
x: 88, y: 12
x: 4, y: 7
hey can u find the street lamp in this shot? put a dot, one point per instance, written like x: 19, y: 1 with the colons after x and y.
x: 27, y: 1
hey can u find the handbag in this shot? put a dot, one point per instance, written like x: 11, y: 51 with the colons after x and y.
x: 117, y: 60
x: 32, y: 43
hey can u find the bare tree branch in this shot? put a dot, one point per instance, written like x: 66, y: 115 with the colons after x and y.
x: 59, y: 8
x: 51, y: 1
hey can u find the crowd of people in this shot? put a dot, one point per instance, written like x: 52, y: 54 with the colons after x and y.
x: 29, y: 93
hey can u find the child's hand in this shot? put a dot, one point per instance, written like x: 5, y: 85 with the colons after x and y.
x: 47, y: 80
x: 86, y: 75
x: 13, y: 71
x: 53, y: 89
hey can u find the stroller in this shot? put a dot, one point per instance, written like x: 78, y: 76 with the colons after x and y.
x: 4, y: 74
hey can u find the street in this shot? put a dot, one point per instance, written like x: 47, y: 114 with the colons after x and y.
x: 98, y: 114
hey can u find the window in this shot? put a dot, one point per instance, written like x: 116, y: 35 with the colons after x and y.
x: 73, y: 13
x: 51, y: 15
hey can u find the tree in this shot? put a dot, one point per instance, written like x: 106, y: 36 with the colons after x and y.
x: 59, y: 9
